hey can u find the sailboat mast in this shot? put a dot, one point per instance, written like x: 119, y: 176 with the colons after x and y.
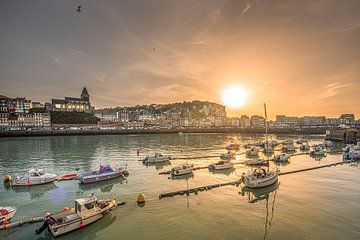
x: 266, y: 124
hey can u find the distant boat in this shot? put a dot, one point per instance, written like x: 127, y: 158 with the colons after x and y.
x: 233, y: 146
x: 86, y: 211
x: 158, y: 157
x: 34, y: 177
x: 227, y: 156
x: 289, y: 148
x: 260, y: 178
x: 282, y: 158
x: 318, y: 151
x: 256, y: 162
x: 221, y: 165
x: 252, y: 152
x: 288, y: 142
x: 182, y: 169
x: 304, y: 146
x: 104, y: 173
x: 6, y: 213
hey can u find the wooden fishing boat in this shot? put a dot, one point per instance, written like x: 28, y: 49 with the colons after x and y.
x: 87, y: 210
x: 104, y: 173
x: 34, y: 177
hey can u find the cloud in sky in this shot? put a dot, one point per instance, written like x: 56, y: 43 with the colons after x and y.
x: 301, y: 57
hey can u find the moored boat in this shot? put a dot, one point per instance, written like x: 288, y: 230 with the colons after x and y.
x: 252, y: 152
x: 260, y: 178
x: 227, y: 156
x: 221, y: 165
x: 6, y: 213
x: 34, y: 177
x: 158, y: 157
x: 87, y: 210
x: 304, y: 146
x: 233, y: 146
x: 289, y: 148
x: 318, y: 151
x: 282, y: 158
x: 104, y: 173
x: 182, y: 169
x: 256, y: 162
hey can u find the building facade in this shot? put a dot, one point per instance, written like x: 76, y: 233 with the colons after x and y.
x: 72, y: 104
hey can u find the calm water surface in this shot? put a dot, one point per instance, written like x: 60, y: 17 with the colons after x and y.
x: 320, y: 204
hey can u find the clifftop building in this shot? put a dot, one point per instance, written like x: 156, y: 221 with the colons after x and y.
x: 72, y: 104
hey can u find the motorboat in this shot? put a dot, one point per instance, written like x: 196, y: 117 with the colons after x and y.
x: 182, y: 169
x: 289, y: 148
x: 352, y: 153
x: 268, y: 147
x: 233, y: 146
x: 282, y: 158
x: 252, y: 152
x: 301, y: 141
x: 86, y: 211
x: 288, y: 142
x: 318, y: 151
x: 260, y: 178
x: 6, y: 213
x: 158, y: 157
x: 256, y: 162
x: 104, y: 173
x: 34, y: 177
x: 221, y: 165
x: 227, y: 156
x: 304, y: 146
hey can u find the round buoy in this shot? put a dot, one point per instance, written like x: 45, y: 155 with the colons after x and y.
x: 81, y: 225
x: 141, y: 198
x: 7, y: 179
x: 66, y: 208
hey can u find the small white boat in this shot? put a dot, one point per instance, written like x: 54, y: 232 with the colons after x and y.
x: 260, y: 178
x: 351, y: 153
x: 282, y: 158
x: 158, y: 157
x: 288, y: 142
x: 289, y: 148
x: 301, y: 141
x: 233, y: 146
x: 182, y: 169
x: 221, y: 165
x: 268, y: 147
x: 304, y: 146
x: 227, y: 156
x: 256, y: 162
x: 318, y: 151
x: 6, y: 213
x: 86, y: 211
x: 34, y: 177
x: 252, y: 152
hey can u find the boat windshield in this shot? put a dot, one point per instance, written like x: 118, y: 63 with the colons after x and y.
x: 106, y: 168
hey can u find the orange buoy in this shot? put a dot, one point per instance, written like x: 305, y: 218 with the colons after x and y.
x: 81, y: 225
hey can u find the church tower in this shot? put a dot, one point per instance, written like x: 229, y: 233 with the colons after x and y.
x: 85, y: 94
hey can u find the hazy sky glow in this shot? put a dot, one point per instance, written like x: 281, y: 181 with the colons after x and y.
x: 300, y: 57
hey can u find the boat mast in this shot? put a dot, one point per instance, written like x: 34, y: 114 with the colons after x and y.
x: 266, y: 127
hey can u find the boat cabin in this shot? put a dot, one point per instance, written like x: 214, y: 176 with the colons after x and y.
x: 85, y: 206
x: 36, y: 172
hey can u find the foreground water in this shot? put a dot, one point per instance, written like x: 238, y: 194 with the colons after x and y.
x: 320, y: 204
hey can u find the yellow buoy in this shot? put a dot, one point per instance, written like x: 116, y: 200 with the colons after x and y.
x: 141, y: 198
x: 7, y: 179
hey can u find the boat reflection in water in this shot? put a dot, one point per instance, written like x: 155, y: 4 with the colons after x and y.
x: 259, y: 194
x: 36, y: 191
x: 159, y: 165
x: 226, y: 172
x: 104, y: 186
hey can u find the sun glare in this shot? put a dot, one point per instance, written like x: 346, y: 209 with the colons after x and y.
x: 234, y: 97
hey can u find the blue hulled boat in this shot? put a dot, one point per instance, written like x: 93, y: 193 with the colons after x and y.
x: 104, y: 173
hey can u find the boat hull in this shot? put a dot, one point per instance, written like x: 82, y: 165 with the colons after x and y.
x: 181, y: 172
x: 87, y: 179
x: 260, y: 184
x: 32, y: 181
x: 221, y: 166
x: 156, y: 160
x: 78, y: 223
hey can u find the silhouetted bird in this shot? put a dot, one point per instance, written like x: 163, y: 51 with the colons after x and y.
x: 153, y: 49
x: 79, y: 9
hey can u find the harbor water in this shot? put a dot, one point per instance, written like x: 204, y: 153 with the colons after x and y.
x: 318, y: 204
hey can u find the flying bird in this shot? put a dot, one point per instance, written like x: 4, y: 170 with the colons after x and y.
x: 153, y: 49
x: 79, y: 9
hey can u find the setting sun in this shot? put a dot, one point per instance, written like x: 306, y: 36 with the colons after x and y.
x: 234, y: 97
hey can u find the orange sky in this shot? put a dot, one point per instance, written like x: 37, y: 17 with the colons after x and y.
x: 300, y: 57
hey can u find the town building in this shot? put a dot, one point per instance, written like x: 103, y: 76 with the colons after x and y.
x: 347, y: 118
x: 42, y: 120
x: 70, y: 104
x: 312, y: 121
x: 283, y: 121
x: 244, y: 121
x: 257, y: 121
